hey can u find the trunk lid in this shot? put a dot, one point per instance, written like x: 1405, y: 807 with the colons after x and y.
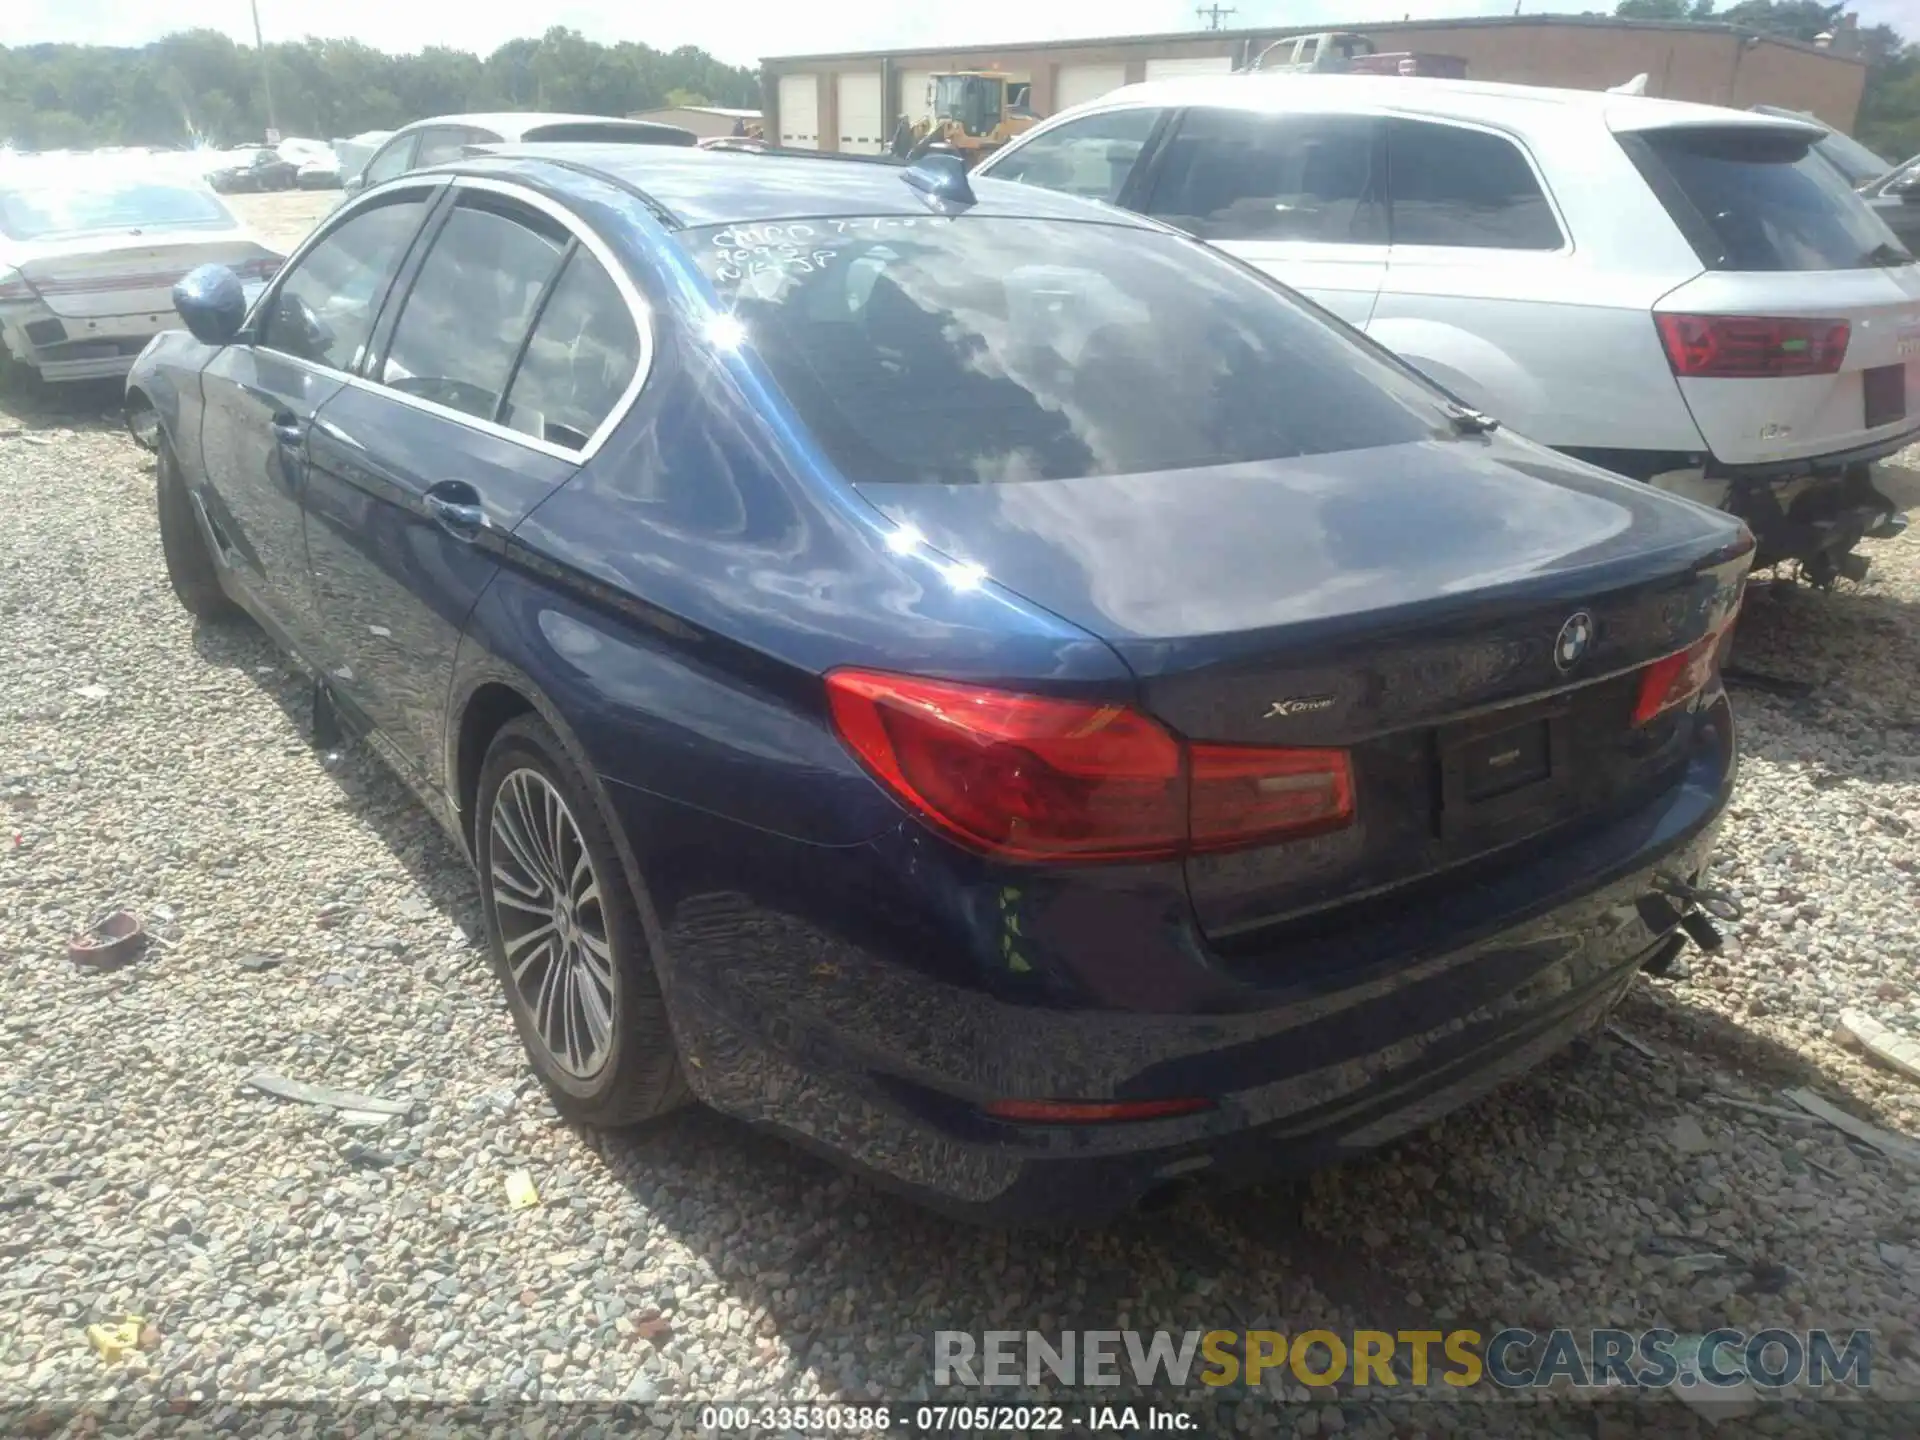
x: 1782, y: 236
x: 98, y: 276
x: 1404, y: 602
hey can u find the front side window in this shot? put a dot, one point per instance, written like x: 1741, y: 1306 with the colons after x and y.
x: 468, y: 312
x: 1236, y: 175
x: 324, y: 309
x: 396, y: 159
x: 1090, y: 158
x: 579, y: 361
x: 1464, y: 188
x: 979, y: 350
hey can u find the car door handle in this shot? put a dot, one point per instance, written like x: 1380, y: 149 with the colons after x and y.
x: 288, y: 430
x: 456, y: 507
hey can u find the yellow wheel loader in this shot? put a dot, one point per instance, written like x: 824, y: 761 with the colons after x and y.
x: 974, y: 113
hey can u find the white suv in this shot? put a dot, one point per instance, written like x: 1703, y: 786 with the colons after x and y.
x: 1680, y: 293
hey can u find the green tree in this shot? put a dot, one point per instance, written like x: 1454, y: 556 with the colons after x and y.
x: 1665, y: 9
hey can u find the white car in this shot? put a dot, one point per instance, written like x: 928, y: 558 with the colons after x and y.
x: 89, y: 252
x: 1679, y: 293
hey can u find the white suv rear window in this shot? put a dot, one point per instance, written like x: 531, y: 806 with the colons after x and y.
x: 1753, y: 199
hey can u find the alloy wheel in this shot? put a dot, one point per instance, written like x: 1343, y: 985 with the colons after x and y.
x: 552, y: 922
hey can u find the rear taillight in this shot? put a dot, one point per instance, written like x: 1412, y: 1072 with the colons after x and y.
x: 14, y: 286
x: 1676, y: 679
x: 264, y: 268
x: 1030, y: 777
x: 1750, y: 347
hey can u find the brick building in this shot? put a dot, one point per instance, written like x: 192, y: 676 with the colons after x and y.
x: 851, y: 101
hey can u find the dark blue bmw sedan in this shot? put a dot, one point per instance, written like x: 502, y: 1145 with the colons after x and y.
x: 974, y: 680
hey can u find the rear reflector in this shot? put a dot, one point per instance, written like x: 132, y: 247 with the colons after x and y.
x: 1748, y: 347
x: 1091, y: 1112
x: 1031, y: 777
x: 1675, y: 680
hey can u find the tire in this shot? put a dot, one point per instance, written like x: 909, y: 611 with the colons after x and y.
x: 598, y: 956
x: 190, y: 565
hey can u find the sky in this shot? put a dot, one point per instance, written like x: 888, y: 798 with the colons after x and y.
x: 740, y: 31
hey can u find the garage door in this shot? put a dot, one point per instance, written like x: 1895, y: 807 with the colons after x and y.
x: 916, y: 101
x: 859, y: 107
x: 1190, y: 65
x: 1081, y: 83
x: 800, y: 112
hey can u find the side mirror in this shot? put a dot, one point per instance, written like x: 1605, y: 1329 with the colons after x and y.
x: 297, y: 330
x: 213, y: 302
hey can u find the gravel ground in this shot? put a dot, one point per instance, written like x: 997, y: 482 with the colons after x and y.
x: 314, y: 922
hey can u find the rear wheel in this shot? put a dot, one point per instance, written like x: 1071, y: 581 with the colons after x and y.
x: 566, y: 936
x: 190, y: 564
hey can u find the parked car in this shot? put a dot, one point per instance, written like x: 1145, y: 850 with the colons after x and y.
x: 448, y: 137
x: 89, y: 252
x: 320, y: 173
x: 1684, y: 294
x: 1895, y: 198
x: 971, y: 678
x: 251, y: 169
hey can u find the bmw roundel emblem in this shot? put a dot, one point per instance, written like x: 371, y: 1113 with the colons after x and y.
x: 1575, y: 639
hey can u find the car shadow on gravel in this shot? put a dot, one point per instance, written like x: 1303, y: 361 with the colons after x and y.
x: 86, y: 405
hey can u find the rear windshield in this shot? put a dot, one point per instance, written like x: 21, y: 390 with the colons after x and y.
x: 591, y: 132
x: 963, y: 349
x: 36, y: 211
x: 1750, y: 199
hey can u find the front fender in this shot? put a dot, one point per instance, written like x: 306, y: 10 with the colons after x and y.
x: 167, y: 372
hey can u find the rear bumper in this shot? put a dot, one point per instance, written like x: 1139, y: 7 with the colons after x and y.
x: 829, y: 1020
x: 92, y: 347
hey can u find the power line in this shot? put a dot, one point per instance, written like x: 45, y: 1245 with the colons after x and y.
x: 1214, y: 14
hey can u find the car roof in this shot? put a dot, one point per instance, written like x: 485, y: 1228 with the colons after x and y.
x: 694, y: 187
x: 1491, y: 101
x: 512, y: 124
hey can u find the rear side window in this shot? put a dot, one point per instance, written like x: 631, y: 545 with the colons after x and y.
x: 1465, y: 188
x: 1752, y: 199
x: 1232, y: 175
x: 441, y: 144
x: 324, y: 309
x: 470, y: 309
x: 396, y: 159
x: 976, y: 350
x: 1090, y: 158
x: 579, y: 361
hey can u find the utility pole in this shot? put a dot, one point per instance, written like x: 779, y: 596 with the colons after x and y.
x: 1214, y: 14
x: 266, y: 76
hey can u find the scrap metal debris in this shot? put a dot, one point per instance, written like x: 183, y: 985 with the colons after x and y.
x: 1894, y: 1147
x: 1632, y: 1041
x: 1889, y: 1047
x: 325, y: 1096
x: 117, y: 938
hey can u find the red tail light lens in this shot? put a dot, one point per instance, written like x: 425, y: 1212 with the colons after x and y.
x: 1029, y: 777
x: 1241, y: 794
x: 1671, y: 682
x: 1747, y: 347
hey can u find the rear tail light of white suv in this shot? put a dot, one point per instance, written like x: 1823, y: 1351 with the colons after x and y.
x: 1751, y: 347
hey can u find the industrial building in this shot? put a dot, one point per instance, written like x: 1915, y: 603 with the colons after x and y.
x: 850, y: 102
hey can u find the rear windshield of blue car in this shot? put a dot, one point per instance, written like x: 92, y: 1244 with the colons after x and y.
x: 968, y: 349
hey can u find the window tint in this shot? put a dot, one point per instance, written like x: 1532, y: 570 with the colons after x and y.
x: 396, y: 159
x: 324, y: 309
x: 1090, y: 157
x: 1751, y: 200
x: 979, y: 349
x: 469, y: 310
x: 583, y: 353
x: 1231, y: 175
x: 1460, y: 187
